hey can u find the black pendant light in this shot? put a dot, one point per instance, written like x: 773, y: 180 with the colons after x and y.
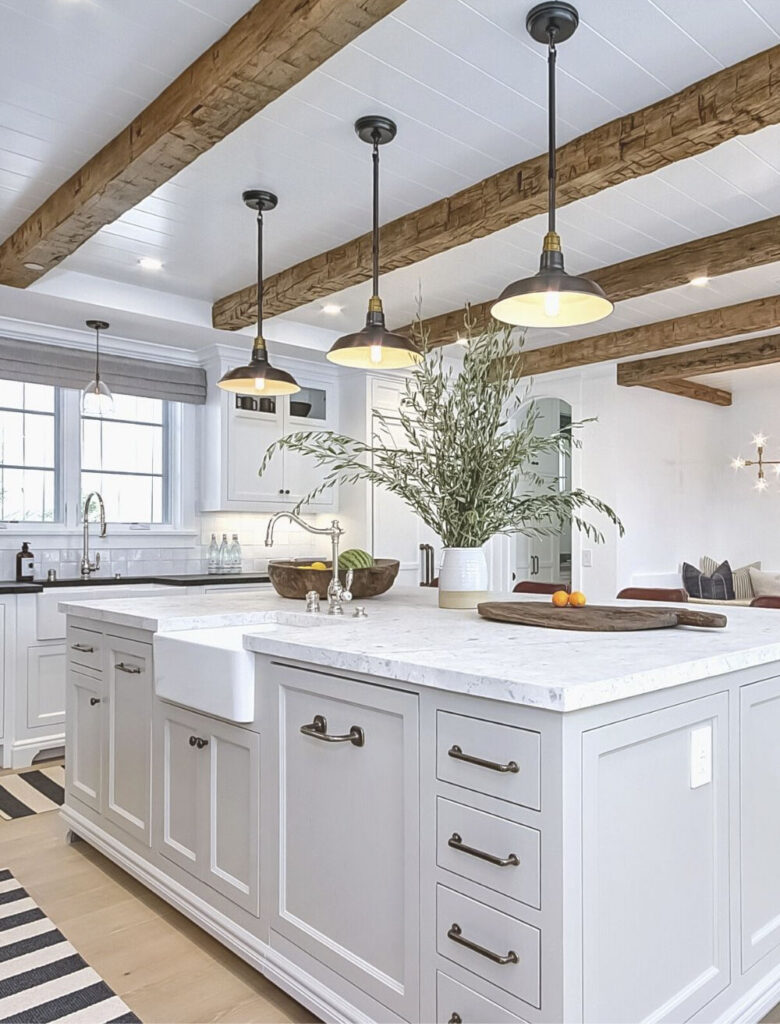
x: 96, y: 398
x: 551, y: 298
x: 374, y: 347
x: 258, y: 377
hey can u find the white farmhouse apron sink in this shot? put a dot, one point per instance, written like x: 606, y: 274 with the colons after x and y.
x: 208, y: 670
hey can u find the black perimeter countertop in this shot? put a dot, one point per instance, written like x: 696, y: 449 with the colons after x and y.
x: 180, y: 580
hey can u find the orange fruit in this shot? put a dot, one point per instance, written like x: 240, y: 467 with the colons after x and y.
x: 560, y: 599
x: 577, y: 599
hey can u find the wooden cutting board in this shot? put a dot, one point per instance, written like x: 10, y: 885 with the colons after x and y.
x: 596, y: 618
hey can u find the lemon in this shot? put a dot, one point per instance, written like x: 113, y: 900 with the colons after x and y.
x: 318, y: 565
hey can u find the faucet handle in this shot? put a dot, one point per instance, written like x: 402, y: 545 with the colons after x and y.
x: 346, y: 593
x: 97, y: 559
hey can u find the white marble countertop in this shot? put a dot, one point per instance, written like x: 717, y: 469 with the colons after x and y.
x: 407, y: 637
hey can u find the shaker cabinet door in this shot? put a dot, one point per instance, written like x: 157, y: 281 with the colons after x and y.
x: 349, y: 872
x: 179, y: 792
x: 84, y: 739
x: 129, y: 736
x: 655, y: 874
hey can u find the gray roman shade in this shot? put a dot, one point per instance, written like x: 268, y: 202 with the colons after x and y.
x: 74, y: 368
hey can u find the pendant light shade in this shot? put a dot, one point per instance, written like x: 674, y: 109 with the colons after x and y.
x: 551, y: 298
x: 96, y: 398
x: 374, y: 347
x: 258, y: 377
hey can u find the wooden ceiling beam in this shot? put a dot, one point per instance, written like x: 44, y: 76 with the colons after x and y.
x: 270, y: 49
x: 743, y: 318
x: 691, y: 389
x: 737, y: 355
x: 741, y: 248
x: 732, y: 102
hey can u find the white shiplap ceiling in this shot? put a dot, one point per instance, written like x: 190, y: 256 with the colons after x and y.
x: 468, y: 89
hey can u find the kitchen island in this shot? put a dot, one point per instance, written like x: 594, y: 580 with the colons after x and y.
x: 425, y: 816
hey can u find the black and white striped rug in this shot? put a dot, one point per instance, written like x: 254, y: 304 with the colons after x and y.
x: 31, y: 791
x: 42, y: 977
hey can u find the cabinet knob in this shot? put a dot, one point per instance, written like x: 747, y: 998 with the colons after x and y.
x: 196, y: 741
x: 455, y: 1019
x: 93, y: 701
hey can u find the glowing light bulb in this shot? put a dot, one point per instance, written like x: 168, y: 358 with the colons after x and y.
x: 759, y: 440
x: 738, y: 463
x: 552, y: 303
x: 761, y: 484
x: 259, y: 384
x: 376, y: 353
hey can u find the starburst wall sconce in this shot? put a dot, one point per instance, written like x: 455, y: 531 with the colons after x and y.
x: 761, y: 484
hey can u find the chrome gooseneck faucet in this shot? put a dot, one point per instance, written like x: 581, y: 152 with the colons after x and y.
x: 87, y: 566
x: 337, y: 594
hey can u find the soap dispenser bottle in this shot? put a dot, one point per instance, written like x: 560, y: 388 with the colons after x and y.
x: 25, y: 564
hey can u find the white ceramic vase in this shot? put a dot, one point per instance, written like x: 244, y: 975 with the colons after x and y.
x: 463, y: 578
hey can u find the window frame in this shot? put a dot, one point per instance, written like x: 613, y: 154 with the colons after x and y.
x: 166, y: 477
x: 59, y: 504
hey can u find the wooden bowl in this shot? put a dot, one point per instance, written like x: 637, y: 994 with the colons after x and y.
x: 290, y: 581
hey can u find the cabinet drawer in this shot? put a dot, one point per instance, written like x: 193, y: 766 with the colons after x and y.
x: 456, y: 1003
x: 463, y: 923
x: 85, y: 648
x: 499, y: 760
x: 471, y: 842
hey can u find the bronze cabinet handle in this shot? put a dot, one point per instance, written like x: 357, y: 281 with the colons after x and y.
x: 455, y: 1019
x: 457, y: 935
x: 457, y: 753
x: 93, y: 701
x: 457, y: 843
x: 133, y: 670
x: 318, y: 730
x: 196, y: 741
x: 84, y: 648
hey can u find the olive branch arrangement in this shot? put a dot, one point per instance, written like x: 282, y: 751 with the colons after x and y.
x: 469, y: 448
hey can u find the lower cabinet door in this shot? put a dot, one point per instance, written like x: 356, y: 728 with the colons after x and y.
x: 178, y: 771
x: 231, y: 790
x: 349, y: 831
x: 129, y: 736
x: 84, y: 739
x: 760, y: 819
x: 46, y: 672
x: 655, y: 875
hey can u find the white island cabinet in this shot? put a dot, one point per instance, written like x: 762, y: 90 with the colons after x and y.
x: 436, y: 818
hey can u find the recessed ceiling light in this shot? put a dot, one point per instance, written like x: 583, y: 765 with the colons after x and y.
x: 331, y: 308
x: 699, y: 282
x: 35, y: 266
x: 150, y: 263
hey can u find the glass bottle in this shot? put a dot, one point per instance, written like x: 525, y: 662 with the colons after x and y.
x: 224, y: 556
x: 213, y: 555
x: 235, y: 555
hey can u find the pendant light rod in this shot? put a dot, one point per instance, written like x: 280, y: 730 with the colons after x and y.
x: 375, y: 230
x: 552, y: 54
x: 97, y: 326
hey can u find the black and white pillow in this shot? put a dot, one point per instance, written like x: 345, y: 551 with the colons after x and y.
x: 717, y: 586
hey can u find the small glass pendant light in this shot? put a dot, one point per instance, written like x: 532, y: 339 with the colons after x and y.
x: 258, y: 377
x: 96, y: 399
x: 551, y: 298
x: 374, y: 347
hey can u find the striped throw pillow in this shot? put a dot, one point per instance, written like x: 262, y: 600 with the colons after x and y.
x: 743, y: 585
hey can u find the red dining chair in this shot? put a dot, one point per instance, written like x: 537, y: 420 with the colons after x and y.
x: 765, y: 602
x: 653, y: 594
x: 531, y: 587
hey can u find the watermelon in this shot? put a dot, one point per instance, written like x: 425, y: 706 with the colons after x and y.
x: 354, y: 558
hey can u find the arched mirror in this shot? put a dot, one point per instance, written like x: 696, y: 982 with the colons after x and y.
x: 546, y: 559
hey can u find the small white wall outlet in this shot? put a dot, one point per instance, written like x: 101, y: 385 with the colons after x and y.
x: 587, y: 558
x: 701, y: 756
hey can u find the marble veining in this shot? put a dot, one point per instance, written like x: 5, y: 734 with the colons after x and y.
x: 407, y: 637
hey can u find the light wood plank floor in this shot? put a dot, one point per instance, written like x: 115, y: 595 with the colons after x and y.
x: 166, y: 969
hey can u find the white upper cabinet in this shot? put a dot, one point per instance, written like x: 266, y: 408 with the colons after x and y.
x: 237, y: 431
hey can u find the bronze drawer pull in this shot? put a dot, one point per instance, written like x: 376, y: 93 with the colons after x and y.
x: 457, y: 843
x: 318, y: 730
x: 93, y: 701
x: 455, y: 1019
x: 456, y: 935
x: 133, y: 670
x: 457, y: 753
x: 84, y: 648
